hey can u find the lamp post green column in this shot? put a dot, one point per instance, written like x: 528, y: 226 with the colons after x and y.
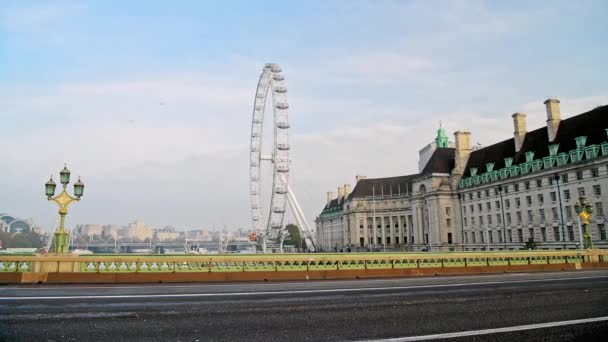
x: 584, y: 210
x: 63, y: 200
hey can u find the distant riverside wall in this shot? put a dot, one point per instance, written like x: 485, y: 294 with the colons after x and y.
x: 113, y: 268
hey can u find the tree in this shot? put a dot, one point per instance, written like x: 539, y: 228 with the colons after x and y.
x: 531, y: 244
x: 21, y: 240
x: 294, y: 237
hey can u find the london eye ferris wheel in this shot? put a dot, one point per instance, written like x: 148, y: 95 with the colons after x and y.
x: 268, y: 219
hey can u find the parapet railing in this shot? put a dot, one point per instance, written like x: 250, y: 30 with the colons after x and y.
x: 113, y: 263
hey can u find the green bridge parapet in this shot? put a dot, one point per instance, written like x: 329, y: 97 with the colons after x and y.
x: 125, y: 263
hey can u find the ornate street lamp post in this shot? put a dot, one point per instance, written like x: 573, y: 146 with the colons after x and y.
x: 63, y: 200
x: 584, y: 210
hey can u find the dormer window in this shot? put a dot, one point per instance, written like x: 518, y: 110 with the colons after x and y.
x: 490, y: 167
x: 580, y: 141
x: 553, y: 149
x: 508, y: 162
x: 529, y: 156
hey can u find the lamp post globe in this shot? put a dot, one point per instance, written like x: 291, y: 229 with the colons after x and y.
x: 65, y: 176
x: 78, y: 188
x: 588, y: 207
x: 49, y: 188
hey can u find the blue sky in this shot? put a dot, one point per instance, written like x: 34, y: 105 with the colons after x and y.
x: 152, y: 99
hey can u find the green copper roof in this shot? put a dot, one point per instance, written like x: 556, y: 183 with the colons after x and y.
x: 442, y: 138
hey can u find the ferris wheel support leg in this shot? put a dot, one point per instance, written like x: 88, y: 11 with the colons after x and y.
x: 302, y: 222
x: 296, y: 214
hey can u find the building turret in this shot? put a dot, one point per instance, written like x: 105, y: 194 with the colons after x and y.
x: 442, y: 139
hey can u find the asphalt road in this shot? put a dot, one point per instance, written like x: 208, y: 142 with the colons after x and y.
x: 564, y: 306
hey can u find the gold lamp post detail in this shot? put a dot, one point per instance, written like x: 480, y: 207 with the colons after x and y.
x: 584, y: 210
x: 63, y: 200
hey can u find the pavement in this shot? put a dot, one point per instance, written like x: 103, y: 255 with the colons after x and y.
x: 547, y: 306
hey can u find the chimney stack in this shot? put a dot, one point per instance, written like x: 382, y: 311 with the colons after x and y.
x: 330, y: 196
x: 358, y: 178
x: 347, y: 190
x: 553, y: 117
x: 463, y: 150
x: 519, y: 124
x: 340, y: 193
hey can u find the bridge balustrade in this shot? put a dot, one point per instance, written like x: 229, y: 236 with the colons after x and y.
x: 112, y: 263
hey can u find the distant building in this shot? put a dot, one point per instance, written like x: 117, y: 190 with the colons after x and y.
x: 136, y: 231
x: 89, y: 230
x: 12, y: 224
x: 521, y: 190
x: 109, y: 232
x: 167, y: 234
x: 197, y: 235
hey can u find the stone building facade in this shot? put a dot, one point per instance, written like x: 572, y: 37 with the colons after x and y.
x: 518, y: 193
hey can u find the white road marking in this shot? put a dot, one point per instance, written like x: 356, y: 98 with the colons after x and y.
x: 493, y: 331
x: 59, y: 315
x: 244, y: 294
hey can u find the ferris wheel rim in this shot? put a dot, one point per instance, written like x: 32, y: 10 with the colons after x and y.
x: 271, y: 83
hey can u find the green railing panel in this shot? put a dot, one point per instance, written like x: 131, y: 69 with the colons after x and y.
x: 225, y: 266
x: 407, y: 263
x: 8, y: 266
x: 430, y: 263
x: 351, y: 265
x: 191, y: 267
x: 477, y: 262
x: 518, y: 261
x: 291, y: 266
x: 379, y: 264
x: 152, y: 266
x: 453, y: 262
x: 557, y: 259
x: 536, y: 260
x: 322, y: 265
x: 16, y: 266
x: 260, y: 266
x: 575, y: 258
x: 89, y: 266
x: 498, y: 261
x: 109, y: 267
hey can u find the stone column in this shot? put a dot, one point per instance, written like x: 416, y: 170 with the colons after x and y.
x: 374, y: 232
x: 383, y: 230
x: 365, y: 231
x: 392, y: 224
x: 400, y: 229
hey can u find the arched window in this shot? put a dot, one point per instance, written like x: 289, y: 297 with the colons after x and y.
x: 422, y: 189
